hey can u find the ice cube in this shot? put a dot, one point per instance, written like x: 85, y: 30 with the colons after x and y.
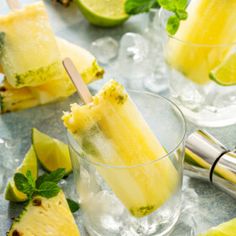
x: 105, y: 49
x: 133, y: 56
x: 87, y: 186
x: 158, y: 80
x: 187, y: 224
x: 104, y: 212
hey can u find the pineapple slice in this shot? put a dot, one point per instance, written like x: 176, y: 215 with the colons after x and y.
x: 193, y: 50
x: 43, y: 217
x: 226, y: 229
x: 108, y: 133
x: 12, y: 99
x: 84, y: 61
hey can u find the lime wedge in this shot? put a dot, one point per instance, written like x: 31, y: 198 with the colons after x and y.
x: 103, y: 13
x: 51, y: 153
x: 225, y: 229
x: 29, y: 163
x: 225, y: 73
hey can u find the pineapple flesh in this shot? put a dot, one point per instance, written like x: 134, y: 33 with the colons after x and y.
x: 28, y: 50
x: 107, y: 133
x: 195, y: 50
x: 12, y: 99
x: 44, y: 217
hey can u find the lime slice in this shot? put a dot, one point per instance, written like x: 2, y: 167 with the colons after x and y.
x: 225, y: 73
x: 51, y: 153
x: 103, y: 13
x: 29, y: 163
x: 225, y: 229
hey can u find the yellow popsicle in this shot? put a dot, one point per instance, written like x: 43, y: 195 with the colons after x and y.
x: 112, y: 131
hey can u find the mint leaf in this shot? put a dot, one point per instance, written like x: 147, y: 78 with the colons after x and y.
x: 54, y: 176
x: 74, y: 206
x: 133, y: 7
x: 178, y: 7
x: 23, y: 184
x: 30, y: 178
x: 48, y: 189
x: 172, y: 25
x: 169, y: 5
x: 181, y: 14
x: 181, y: 4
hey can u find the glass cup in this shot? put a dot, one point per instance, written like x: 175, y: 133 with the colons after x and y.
x: 190, y: 67
x: 139, y: 199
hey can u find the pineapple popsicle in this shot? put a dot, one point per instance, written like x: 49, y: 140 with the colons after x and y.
x: 29, y: 55
x: 195, y: 50
x: 108, y: 133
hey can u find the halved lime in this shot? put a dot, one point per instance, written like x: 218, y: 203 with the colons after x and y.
x: 29, y: 163
x: 225, y: 73
x: 105, y: 13
x: 51, y: 153
x: 225, y: 229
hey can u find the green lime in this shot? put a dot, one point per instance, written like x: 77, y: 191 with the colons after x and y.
x: 105, y: 13
x: 29, y: 163
x: 225, y: 73
x: 51, y: 153
x: 225, y: 229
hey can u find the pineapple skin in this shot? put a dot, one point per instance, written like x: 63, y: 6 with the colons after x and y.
x: 107, y: 126
x: 192, y: 51
x: 43, y: 217
x: 12, y: 99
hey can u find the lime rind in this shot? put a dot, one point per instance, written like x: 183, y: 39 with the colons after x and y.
x: 51, y: 153
x: 101, y: 20
x: 29, y: 163
x: 225, y: 73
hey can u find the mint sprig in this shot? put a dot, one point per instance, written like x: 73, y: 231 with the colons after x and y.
x: 177, y: 7
x: 25, y: 183
x: 45, y: 185
x: 54, y: 176
x: 133, y: 7
x: 48, y: 189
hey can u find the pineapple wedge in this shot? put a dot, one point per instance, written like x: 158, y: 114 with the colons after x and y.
x: 12, y: 99
x: 193, y: 50
x: 44, y: 217
x: 225, y: 229
x: 108, y: 133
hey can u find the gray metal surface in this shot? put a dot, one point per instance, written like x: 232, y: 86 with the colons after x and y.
x: 209, y: 206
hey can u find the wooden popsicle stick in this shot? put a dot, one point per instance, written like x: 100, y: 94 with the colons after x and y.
x: 77, y: 80
x: 14, y: 4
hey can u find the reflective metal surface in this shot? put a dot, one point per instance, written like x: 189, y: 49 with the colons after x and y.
x: 206, y: 157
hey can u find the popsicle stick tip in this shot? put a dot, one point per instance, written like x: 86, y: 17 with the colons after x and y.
x: 77, y: 80
x: 14, y: 4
